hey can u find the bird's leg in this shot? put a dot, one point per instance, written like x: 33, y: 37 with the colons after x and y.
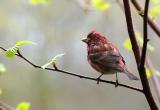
x: 99, y: 78
x: 116, y: 84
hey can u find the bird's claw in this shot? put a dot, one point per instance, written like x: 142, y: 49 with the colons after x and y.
x: 116, y: 83
x: 98, y: 80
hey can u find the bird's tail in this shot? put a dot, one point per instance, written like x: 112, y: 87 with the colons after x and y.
x: 130, y: 75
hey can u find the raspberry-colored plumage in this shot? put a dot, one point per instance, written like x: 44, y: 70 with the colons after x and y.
x: 104, y: 57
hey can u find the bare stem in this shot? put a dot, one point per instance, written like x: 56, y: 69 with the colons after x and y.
x: 131, y: 32
x: 151, y: 22
x: 74, y: 74
x: 141, y: 68
x: 140, y: 61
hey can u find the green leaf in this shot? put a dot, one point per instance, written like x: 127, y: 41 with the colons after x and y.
x: 23, y: 106
x: 53, y: 61
x: 38, y: 2
x: 11, y: 52
x: 100, y: 4
x: 2, y: 68
x: 23, y: 42
x: 148, y: 72
x: 155, y: 11
x: 127, y: 44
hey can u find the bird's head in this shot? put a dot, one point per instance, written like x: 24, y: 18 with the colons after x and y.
x: 95, y: 38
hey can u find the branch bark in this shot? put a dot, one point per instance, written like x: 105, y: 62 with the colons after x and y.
x: 142, y: 70
x: 151, y: 22
x: 140, y: 60
x: 74, y: 74
x: 131, y: 32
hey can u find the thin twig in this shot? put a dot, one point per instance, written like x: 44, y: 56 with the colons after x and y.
x: 149, y: 63
x: 131, y: 32
x: 151, y: 22
x: 145, y: 34
x: 74, y: 74
x: 142, y: 70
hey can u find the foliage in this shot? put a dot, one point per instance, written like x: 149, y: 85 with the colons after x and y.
x: 23, y: 106
x: 53, y: 61
x: 100, y: 4
x: 155, y: 9
x: 13, y: 50
x: 127, y: 44
x: 38, y: 2
x: 155, y: 12
x: 148, y: 72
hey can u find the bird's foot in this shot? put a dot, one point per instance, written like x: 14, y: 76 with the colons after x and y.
x: 98, y: 80
x: 116, y: 83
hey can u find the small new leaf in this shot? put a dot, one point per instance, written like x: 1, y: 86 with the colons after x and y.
x: 38, y: 2
x: 23, y: 42
x: 100, y: 4
x: 10, y: 53
x: 127, y: 44
x: 23, y: 106
x: 53, y: 61
x: 155, y: 11
x: 148, y: 72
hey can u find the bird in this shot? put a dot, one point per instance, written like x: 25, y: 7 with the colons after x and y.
x: 105, y: 57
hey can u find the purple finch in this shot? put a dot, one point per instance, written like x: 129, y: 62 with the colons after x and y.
x: 104, y: 57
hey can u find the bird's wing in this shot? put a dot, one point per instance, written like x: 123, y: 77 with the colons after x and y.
x: 108, y: 60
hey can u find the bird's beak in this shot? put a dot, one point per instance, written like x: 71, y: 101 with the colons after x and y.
x: 85, y: 40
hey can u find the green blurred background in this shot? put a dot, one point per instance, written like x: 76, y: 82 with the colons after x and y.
x: 58, y: 26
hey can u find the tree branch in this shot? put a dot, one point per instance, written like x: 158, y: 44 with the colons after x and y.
x: 131, y: 33
x: 142, y: 70
x: 151, y: 22
x: 74, y: 74
x: 149, y: 63
x: 145, y: 33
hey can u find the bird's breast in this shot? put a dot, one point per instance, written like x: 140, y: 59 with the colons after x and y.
x: 100, y: 68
